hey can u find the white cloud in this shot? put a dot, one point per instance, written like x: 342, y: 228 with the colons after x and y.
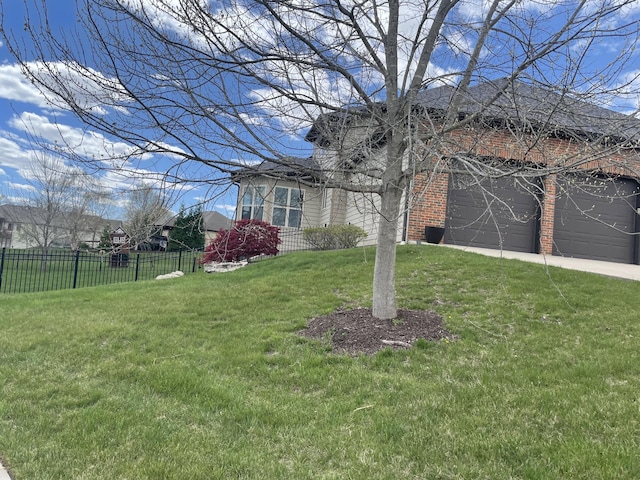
x: 628, y: 92
x: 16, y: 87
x: 88, y: 144
x: 21, y: 187
x: 89, y: 88
x: 13, y: 153
x: 120, y: 161
x: 477, y: 9
x: 125, y: 178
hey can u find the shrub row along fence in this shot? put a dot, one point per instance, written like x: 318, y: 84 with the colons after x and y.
x: 24, y: 271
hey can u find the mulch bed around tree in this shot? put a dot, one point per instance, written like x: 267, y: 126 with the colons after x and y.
x: 357, y: 332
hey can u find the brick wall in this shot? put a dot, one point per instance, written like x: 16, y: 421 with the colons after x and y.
x: 428, y: 204
x: 547, y: 214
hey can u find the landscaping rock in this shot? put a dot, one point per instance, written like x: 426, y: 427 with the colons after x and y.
x: 221, y: 267
x: 166, y: 276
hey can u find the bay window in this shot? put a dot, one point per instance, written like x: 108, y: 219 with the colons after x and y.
x: 287, y: 207
x: 253, y: 203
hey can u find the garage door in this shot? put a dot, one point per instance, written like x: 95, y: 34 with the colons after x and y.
x: 594, y: 218
x: 504, y: 213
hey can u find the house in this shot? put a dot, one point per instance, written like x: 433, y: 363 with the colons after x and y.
x: 6, y: 231
x: 120, y: 240
x: 27, y: 227
x: 567, y: 184
x: 212, y: 223
x: 288, y: 197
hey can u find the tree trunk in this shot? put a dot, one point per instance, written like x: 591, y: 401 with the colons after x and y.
x: 43, y: 259
x: 384, y: 290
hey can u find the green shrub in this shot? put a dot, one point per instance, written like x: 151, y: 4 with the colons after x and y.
x: 334, y: 237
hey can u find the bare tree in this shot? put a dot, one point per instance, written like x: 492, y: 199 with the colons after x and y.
x: 58, y: 204
x: 88, y: 201
x: 145, y: 214
x: 47, y: 201
x: 227, y: 84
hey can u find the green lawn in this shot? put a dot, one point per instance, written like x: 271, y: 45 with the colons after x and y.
x: 204, y: 377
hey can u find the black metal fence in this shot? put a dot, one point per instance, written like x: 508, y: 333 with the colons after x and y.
x: 293, y: 241
x: 33, y: 270
x: 23, y: 271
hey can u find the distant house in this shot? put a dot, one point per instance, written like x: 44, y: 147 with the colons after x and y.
x: 212, y: 223
x: 6, y: 232
x: 592, y: 215
x: 27, y: 227
x: 120, y: 240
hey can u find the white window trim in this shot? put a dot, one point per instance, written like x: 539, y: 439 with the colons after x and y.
x: 257, y: 201
x: 288, y: 208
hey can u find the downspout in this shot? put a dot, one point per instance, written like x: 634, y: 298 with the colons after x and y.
x: 407, y: 211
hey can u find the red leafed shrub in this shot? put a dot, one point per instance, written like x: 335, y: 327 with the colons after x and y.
x: 246, y: 239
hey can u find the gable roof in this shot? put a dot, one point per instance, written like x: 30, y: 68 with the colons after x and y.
x: 21, y: 214
x: 503, y: 100
x: 35, y: 215
x: 300, y: 167
x: 214, y: 221
x: 536, y: 107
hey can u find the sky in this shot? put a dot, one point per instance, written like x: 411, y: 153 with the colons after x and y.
x: 24, y: 112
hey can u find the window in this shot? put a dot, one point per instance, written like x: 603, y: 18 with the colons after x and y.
x: 253, y: 203
x: 287, y: 207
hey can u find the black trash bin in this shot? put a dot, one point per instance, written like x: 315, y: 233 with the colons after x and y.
x: 433, y: 234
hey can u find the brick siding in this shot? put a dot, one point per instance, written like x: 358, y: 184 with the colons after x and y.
x: 428, y: 205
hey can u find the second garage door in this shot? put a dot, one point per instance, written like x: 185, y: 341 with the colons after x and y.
x: 595, y: 218
x: 503, y: 213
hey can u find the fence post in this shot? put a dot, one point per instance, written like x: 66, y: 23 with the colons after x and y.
x: 179, y: 260
x: 2, y: 266
x: 75, y: 269
x: 137, y: 266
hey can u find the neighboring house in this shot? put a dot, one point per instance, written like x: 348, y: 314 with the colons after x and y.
x: 212, y: 223
x: 120, y: 240
x: 594, y: 216
x: 6, y: 231
x: 23, y: 227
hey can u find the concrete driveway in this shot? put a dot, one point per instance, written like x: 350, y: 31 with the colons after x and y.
x: 610, y: 269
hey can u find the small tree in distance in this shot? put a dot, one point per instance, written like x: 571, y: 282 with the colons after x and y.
x: 187, y: 231
x: 105, y: 239
x: 246, y: 239
x: 146, y: 212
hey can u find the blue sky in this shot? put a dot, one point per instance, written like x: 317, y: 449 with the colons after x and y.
x: 24, y: 110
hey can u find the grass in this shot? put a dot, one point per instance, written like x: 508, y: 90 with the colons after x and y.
x: 203, y: 377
